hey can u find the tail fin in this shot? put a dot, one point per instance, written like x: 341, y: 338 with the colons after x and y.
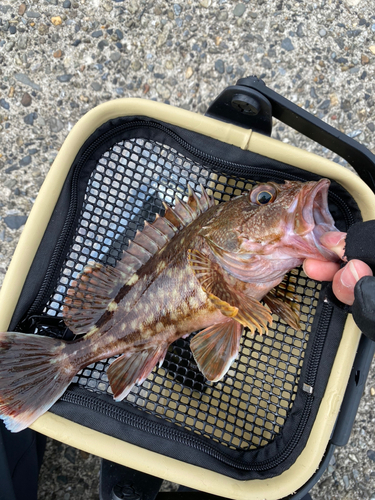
x: 34, y: 373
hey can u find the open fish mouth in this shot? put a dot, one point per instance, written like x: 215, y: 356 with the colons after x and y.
x: 313, y: 218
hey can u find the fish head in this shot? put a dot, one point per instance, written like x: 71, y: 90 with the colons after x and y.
x: 288, y: 220
x: 259, y: 236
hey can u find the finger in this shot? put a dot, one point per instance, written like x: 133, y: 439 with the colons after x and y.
x: 323, y: 270
x: 345, y: 280
x: 335, y: 241
x: 320, y: 270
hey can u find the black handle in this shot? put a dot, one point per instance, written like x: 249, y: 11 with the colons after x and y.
x: 229, y: 107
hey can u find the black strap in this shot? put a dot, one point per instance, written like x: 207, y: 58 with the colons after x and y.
x: 363, y: 308
x: 360, y: 244
x: 20, y: 460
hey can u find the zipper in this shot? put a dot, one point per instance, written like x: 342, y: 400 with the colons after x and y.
x: 142, y: 423
x: 318, y: 343
x: 219, y: 163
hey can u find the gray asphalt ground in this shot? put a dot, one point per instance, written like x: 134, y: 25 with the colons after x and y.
x: 59, y: 59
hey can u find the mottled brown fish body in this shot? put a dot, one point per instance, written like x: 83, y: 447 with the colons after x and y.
x: 165, y: 302
x: 199, y: 267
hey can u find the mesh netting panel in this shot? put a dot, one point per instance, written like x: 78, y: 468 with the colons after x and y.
x: 248, y: 408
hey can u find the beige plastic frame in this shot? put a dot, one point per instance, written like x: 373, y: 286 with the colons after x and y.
x: 127, y: 454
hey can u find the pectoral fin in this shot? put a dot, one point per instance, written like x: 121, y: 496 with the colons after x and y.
x: 215, y: 348
x: 133, y: 368
x: 225, y: 308
x: 282, y: 309
x: 229, y: 300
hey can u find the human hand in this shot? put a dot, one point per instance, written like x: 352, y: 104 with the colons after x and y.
x: 343, y: 280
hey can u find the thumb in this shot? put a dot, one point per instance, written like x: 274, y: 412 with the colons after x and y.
x: 346, y: 278
x: 335, y: 241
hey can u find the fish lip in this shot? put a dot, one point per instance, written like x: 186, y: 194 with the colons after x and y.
x: 313, y: 218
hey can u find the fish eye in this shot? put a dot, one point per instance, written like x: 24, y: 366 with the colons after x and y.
x: 263, y: 195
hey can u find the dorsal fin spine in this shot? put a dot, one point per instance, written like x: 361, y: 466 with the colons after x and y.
x: 139, y: 252
x: 165, y: 226
x: 193, y: 200
x: 172, y: 216
x: 154, y: 233
x: 185, y: 211
x: 206, y: 201
x: 146, y: 242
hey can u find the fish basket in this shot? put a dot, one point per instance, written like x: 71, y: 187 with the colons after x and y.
x: 268, y: 429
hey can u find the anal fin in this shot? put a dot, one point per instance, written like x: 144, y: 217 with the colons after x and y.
x: 215, y: 348
x: 133, y: 368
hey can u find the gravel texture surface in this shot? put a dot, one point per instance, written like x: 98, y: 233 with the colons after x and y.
x: 61, y: 58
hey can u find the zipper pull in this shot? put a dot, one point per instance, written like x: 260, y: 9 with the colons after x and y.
x: 309, y: 389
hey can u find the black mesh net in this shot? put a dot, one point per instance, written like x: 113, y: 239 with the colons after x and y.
x: 248, y: 408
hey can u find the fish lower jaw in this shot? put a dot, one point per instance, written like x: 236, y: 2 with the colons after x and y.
x: 306, y: 246
x: 314, y: 249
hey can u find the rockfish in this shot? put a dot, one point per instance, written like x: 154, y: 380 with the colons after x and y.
x: 202, y: 266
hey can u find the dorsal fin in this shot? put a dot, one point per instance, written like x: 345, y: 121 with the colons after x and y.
x: 137, y: 251
x: 92, y: 292
x: 183, y: 213
x: 193, y: 201
x: 155, y: 234
x: 205, y: 201
x: 89, y: 296
x: 146, y: 242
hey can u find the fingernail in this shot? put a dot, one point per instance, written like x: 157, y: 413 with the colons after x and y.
x: 332, y: 239
x: 349, y: 276
x: 303, y: 267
